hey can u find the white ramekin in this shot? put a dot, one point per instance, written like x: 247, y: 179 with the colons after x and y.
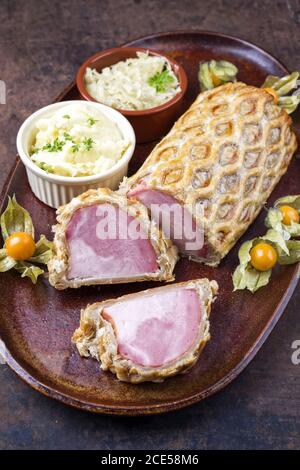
x: 55, y: 190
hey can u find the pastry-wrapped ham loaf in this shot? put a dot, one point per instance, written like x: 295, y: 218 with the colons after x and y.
x: 220, y: 161
x: 102, y: 238
x: 151, y: 335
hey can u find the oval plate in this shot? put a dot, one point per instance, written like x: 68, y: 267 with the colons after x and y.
x: 37, y: 322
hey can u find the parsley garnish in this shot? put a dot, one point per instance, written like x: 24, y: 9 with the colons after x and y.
x: 55, y: 147
x: 45, y: 167
x: 35, y: 150
x: 67, y: 136
x: 91, y: 121
x: 88, y: 143
x: 66, y: 116
x: 161, y: 80
x: 75, y: 148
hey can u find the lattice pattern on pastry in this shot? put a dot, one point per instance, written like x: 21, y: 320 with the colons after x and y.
x: 223, y: 157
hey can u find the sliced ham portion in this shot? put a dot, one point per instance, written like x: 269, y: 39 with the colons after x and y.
x: 156, y: 328
x: 150, y: 335
x: 94, y: 256
x: 102, y: 237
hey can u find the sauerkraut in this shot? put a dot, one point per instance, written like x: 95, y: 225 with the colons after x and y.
x: 77, y: 141
x: 134, y: 84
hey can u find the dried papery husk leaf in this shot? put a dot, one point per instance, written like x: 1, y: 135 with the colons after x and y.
x: 274, y: 217
x: 250, y: 278
x: 289, y: 103
x: 29, y: 270
x: 276, y: 239
x: 293, y: 201
x: 43, y: 251
x: 270, y: 81
x: 15, y: 219
x: 282, y: 87
x: 205, y: 77
x: 294, y: 253
x: 6, y: 262
x: 274, y: 221
x: 245, y: 275
x: 279, y: 236
x: 214, y: 73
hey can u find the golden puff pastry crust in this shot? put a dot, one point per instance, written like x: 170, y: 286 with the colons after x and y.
x: 58, y: 265
x: 96, y: 337
x: 222, y: 158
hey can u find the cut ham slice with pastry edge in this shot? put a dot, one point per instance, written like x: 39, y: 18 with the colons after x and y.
x: 151, y: 335
x: 104, y: 238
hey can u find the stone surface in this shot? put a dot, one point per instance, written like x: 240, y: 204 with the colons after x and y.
x: 42, y: 44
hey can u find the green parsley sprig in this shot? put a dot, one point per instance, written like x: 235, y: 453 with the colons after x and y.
x: 88, y: 143
x: 56, y: 146
x: 161, y: 81
x: 91, y: 121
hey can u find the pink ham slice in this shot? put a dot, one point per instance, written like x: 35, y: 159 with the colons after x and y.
x: 110, y: 256
x: 182, y: 229
x: 156, y: 328
x: 150, y: 335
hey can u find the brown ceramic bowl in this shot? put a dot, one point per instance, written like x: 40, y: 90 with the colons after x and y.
x: 149, y: 124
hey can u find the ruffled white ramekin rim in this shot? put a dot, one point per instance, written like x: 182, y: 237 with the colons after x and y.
x: 56, y: 190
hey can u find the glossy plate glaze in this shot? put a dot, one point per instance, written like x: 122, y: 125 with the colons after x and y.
x: 37, y: 322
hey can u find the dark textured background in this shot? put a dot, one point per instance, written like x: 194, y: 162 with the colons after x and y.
x: 42, y: 43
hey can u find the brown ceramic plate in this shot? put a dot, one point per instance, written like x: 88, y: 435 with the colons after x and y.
x: 36, y: 322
